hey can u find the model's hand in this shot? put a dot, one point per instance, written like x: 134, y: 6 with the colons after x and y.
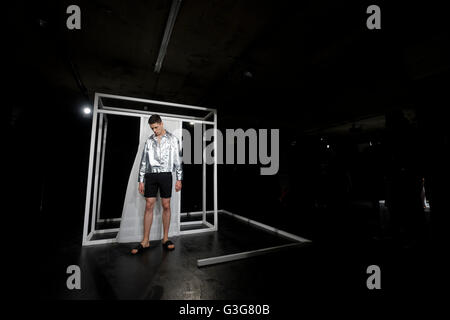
x: 178, y: 185
x: 141, y: 187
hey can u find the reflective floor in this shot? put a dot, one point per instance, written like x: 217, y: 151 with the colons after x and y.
x: 111, y: 272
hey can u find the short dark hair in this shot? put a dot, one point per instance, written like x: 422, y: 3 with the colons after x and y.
x: 154, y: 119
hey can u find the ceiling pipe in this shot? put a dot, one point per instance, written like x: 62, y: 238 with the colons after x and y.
x: 167, y: 33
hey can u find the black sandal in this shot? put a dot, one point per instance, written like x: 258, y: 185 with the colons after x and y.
x: 139, y: 248
x: 167, y: 244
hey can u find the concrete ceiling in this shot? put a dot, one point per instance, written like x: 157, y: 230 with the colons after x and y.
x: 311, y: 64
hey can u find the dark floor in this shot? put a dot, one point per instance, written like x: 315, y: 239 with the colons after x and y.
x: 110, y: 272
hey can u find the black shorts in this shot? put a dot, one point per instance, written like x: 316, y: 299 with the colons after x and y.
x: 161, y: 180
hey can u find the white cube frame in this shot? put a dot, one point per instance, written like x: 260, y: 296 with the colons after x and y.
x: 96, y: 162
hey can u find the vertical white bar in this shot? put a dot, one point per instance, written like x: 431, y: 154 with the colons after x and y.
x: 216, y: 221
x: 97, y: 165
x: 101, y: 167
x: 179, y: 198
x: 90, y: 168
x: 204, y: 172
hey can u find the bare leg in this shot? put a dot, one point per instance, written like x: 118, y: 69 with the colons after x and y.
x: 166, y: 219
x: 148, y: 219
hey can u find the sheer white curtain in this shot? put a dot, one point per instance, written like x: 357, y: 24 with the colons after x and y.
x: 132, y: 223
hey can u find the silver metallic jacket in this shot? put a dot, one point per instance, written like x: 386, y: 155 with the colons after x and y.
x: 163, y: 156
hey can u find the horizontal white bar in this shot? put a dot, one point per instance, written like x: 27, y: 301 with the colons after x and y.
x: 100, y: 241
x: 194, y: 121
x: 149, y: 112
x: 243, y: 255
x: 179, y: 105
x: 106, y: 230
x: 267, y: 227
x: 110, y: 220
x: 127, y: 112
x: 195, y: 213
x: 196, y: 231
x: 191, y: 222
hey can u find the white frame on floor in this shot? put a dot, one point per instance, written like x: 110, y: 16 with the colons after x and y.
x: 298, y: 241
x: 96, y: 162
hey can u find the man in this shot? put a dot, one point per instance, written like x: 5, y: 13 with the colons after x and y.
x: 161, y: 156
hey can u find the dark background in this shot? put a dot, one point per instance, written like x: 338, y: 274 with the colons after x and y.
x: 378, y: 98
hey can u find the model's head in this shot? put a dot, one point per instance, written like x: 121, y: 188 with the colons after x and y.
x: 156, y: 124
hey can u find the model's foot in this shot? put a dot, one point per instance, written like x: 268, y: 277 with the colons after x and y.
x: 144, y: 244
x: 170, y: 246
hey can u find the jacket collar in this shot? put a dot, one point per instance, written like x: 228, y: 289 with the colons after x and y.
x: 153, y: 136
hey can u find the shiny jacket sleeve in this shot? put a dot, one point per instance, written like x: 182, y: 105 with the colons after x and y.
x: 177, y: 160
x: 143, y: 163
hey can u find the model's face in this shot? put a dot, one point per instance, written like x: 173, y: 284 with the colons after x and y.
x: 157, y: 128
